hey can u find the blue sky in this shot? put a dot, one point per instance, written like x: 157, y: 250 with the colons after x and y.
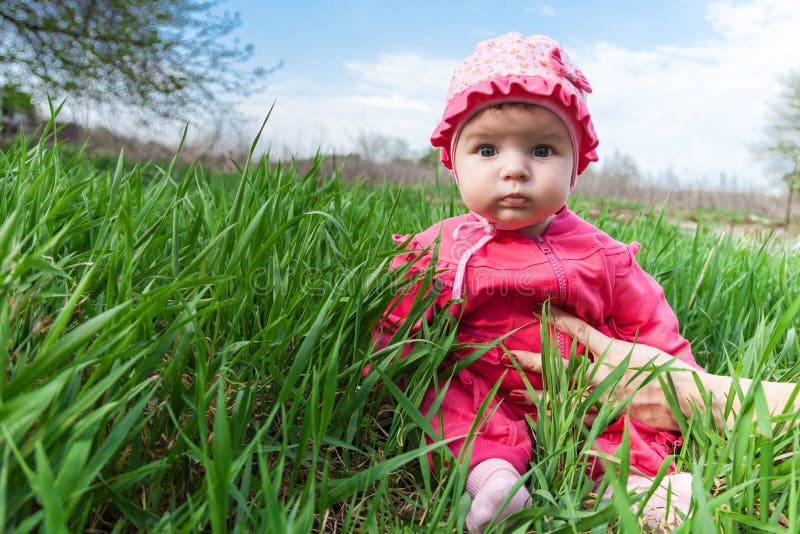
x: 321, y: 36
x: 679, y: 85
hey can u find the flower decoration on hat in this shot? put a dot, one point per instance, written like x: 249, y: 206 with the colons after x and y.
x: 572, y: 74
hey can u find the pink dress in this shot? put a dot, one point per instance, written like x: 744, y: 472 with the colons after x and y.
x: 581, y: 270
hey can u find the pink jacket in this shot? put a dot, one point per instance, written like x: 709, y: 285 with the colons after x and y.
x: 579, y: 267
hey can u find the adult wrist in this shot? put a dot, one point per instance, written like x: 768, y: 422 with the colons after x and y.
x: 685, y: 383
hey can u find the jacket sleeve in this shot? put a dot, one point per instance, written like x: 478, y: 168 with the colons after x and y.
x: 417, y: 261
x: 640, y: 312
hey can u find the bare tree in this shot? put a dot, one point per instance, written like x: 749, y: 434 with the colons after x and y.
x: 782, y: 145
x: 382, y: 148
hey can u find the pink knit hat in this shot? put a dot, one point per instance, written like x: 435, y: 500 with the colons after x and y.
x: 513, y: 68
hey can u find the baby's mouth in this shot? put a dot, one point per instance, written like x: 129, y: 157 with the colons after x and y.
x: 514, y: 200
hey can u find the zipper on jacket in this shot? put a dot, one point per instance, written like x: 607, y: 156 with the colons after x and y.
x: 561, y: 278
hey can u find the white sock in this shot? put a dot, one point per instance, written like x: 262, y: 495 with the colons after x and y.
x: 489, y: 483
x: 679, y: 489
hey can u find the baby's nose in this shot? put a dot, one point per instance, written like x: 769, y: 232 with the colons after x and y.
x: 515, y: 167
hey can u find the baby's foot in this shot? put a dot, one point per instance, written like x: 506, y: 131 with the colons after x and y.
x: 655, y: 513
x: 490, y: 483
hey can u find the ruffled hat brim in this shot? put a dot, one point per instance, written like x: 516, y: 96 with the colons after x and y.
x: 557, y: 97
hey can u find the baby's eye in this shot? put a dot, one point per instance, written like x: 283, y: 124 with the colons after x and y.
x: 542, y: 151
x: 487, y: 151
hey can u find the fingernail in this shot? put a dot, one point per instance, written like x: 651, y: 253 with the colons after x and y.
x: 516, y: 396
x: 505, y: 360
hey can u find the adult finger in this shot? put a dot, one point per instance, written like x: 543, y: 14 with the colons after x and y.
x: 532, y: 361
x: 614, y: 350
x: 583, y: 332
x: 534, y: 398
x: 529, y: 361
x: 530, y: 398
x: 523, y: 396
x: 611, y: 350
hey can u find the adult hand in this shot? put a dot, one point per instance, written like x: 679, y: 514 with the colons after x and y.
x: 646, y: 398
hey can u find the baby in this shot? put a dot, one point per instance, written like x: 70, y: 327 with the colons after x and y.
x: 515, y: 133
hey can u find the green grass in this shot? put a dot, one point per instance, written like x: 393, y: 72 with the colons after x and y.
x: 184, y: 352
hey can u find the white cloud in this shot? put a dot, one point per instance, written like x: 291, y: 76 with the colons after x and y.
x: 407, y: 73
x: 696, y: 109
x: 399, y: 94
x: 395, y: 102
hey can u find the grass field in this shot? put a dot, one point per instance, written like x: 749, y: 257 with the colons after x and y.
x: 183, y: 351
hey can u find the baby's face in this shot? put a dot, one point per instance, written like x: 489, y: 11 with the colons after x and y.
x: 514, y: 166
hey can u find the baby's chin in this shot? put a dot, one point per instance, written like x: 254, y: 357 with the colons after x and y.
x: 528, y: 227
x: 521, y: 219
x: 510, y: 224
